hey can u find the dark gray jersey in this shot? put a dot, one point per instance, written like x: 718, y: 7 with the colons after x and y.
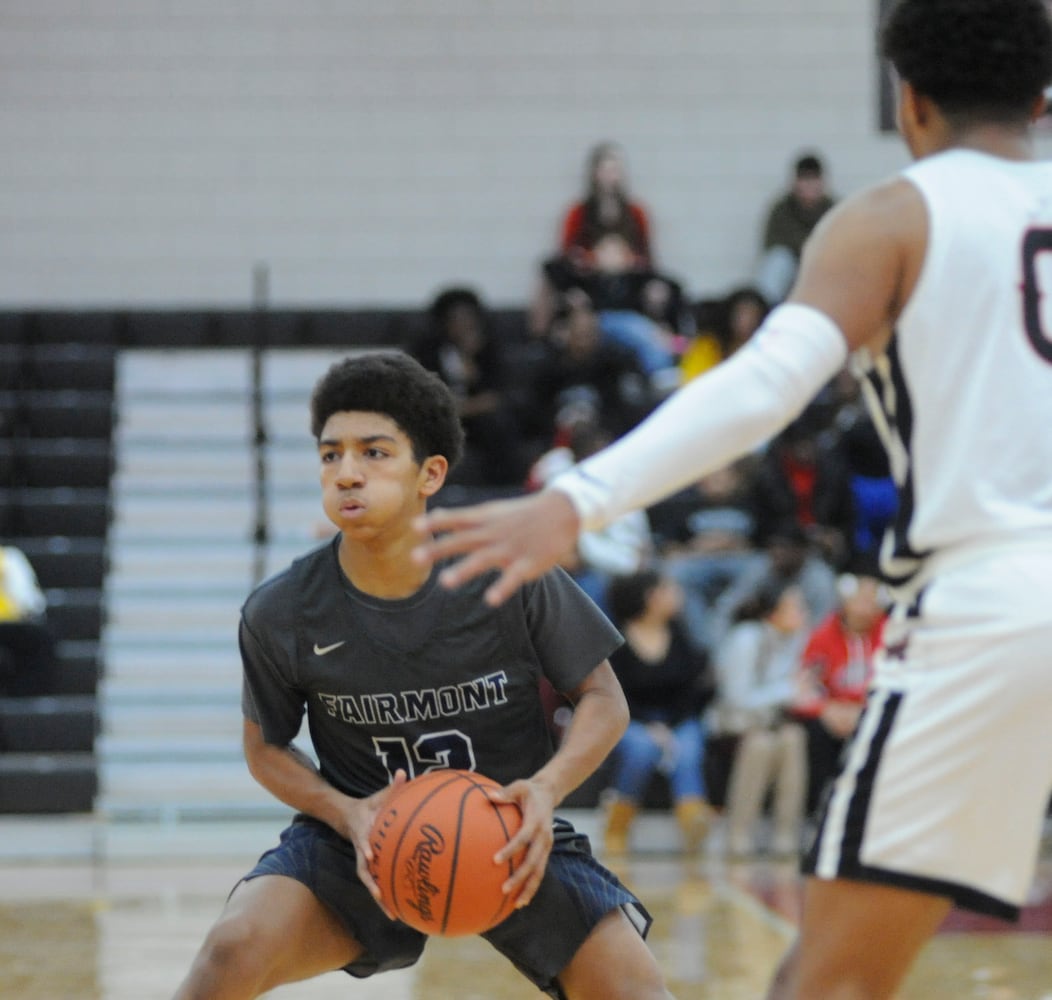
x: 439, y: 679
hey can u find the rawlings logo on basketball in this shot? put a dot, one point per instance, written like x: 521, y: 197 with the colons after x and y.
x: 416, y: 872
x: 433, y: 847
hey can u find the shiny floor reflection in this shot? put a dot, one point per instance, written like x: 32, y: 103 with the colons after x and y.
x: 128, y: 931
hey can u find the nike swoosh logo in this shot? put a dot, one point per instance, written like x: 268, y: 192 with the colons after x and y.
x: 322, y: 650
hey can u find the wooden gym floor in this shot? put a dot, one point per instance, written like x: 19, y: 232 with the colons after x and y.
x: 122, y: 922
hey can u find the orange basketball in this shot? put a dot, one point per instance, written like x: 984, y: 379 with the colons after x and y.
x: 433, y: 847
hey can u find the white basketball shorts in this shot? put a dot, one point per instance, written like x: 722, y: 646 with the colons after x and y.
x: 946, y: 783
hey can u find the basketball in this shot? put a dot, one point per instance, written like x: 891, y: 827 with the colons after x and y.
x: 433, y: 847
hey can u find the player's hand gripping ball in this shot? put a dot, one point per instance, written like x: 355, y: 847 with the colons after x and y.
x: 433, y: 847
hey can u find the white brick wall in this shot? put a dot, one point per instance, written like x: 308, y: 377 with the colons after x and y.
x: 370, y: 151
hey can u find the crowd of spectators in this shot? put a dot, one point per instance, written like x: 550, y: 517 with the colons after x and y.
x: 763, y: 571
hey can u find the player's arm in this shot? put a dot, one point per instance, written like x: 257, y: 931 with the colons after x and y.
x: 863, y: 260
x: 599, y: 720
x: 290, y: 775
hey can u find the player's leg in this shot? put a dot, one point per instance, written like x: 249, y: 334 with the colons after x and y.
x: 273, y: 930
x: 583, y: 934
x: 931, y: 807
x: 857, y: 940
x: 614, y: 963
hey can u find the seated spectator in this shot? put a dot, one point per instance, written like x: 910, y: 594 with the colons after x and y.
x: 835, y: 671
x: 26, y: 642
x: 704, y: 535
x: 787, y: 557
x: 459, y: 346
x: 605, y: 249
x: 873, y: 491
x: 790, y: 220
x: 756, y: 672
x: 722, y: 326
x: 803, y: 479
x: 620, y: 548
x: 580, y: 367
x: 667, y: 684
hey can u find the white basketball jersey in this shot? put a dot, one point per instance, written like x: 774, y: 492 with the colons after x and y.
x: 963, y: 395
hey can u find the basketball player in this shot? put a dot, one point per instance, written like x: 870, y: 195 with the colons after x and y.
x: 399, y: 676
x: 935, y: 286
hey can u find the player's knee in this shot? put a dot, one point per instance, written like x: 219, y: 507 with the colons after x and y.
x: 648, y: 984
x: 237, y: 950
x: 635, y: 975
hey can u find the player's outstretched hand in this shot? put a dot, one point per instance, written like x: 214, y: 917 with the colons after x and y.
x: 522, y: 538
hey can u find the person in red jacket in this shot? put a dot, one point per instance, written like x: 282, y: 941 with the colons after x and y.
x: 836, y: 668
x: 606, y: 217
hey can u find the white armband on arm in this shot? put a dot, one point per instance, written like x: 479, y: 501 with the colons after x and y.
x: 714, y: 419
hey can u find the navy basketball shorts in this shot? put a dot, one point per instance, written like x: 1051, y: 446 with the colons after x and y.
x: 540, y: 940
x: 943, y: 788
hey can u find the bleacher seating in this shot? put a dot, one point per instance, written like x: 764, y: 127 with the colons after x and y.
x: 56, y: 462
x: 58, y: 468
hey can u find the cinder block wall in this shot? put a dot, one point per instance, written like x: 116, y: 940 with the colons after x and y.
x: 369, y: 151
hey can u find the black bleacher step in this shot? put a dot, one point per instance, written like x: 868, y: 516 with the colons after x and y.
x: 13, y: 362
x: 52, y: 462
x: 47, y: 783
x: 56, y: 413
x: 168, y: 328
x: 66, y: 562
x: 263, y: 328
x: 51, y: 724
x: 99, y: 326
x: 78, y: 667
x: 69, y: 511
x: 75, y: 612
x: 70, y: 366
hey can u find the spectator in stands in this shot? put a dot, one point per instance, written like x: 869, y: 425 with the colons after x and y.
x: 803, y: 479
x: 873, y: 492
x: 756, y: 670
x: 607, y: 210
x: 26, y: 642
x: 787, y: 558
x: 460, y: 347
x: 622, y: 547
x: 789, y: 222
x: 722, y: 326
x: 667, y: 684
x: 705, y: 535
x: 835, y: 671
x: 605, y: 249
x: 581, y: 368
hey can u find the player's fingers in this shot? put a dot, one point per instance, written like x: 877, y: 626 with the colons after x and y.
x: 470, y: 566
x: 455, y: 543
x: 448, y: 518
x: 367, y: 880
x: 440, y: 528
x: 526, y: 880
x: 518, y: 844
x: 511, y: 578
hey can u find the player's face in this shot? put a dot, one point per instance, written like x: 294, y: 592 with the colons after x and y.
x: 371, y: 483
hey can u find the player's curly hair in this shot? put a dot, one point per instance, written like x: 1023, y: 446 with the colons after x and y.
x: 399, y: 387
x: 976, y: 59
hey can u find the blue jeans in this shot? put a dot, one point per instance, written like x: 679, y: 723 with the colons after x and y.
x: 640, y: 335
x: 637, y: 756
x: 703, y: 578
